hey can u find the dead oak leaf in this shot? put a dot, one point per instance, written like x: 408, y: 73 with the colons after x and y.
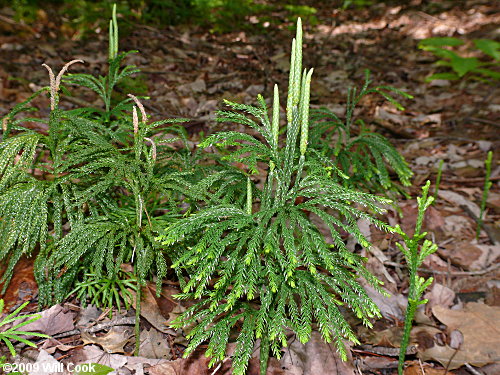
x: 161, y: 311
x: 92, y: 354
x: 314, y: 357
x: 112, y: 342
x: 478, y: 324
x: 154, y: 344
x: 471, y: 256
x: 55, y: 320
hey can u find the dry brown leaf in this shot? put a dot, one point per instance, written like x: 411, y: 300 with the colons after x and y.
x: 390, y: 337
x: 43, y: 361
x: 281, y: 61
x: 168, y: 368
x: 458, y: 200
x: 478, y: 324
x: 434, y: 262
x: 425, y: 369
x: 423, y: 336
x: 51, y: 345
x: 376, y: 266
x: 197, y: 86
x: 493, y: 200
x: 113, y: 341
x: 87, y: 315
x: 439, y: 295
x: 390, y: 307
x: 196, y: 364
x: 471, y: 256
x: 427, y: 119
x: 22, y: 286
x: 159, y: 312
x: 136, y: 363
x: 383, y: 114
x: 493, y: 369
x: 459, y: 227
x: 55, y: 320
x: 93, y: 354
x: 368, y: 363
x: 313, y: 358
x: 154, y: 344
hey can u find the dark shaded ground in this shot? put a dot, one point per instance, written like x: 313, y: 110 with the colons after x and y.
x: 188, y: 72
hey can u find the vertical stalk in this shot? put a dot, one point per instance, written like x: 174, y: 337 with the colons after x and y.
x: 415, y: 255
x: 249, y: 196
x: 410, y: 313
x: 438, y: 178
x: 264, y: 353
x: 137, y: 327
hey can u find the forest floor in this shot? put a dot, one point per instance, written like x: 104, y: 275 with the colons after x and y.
x: 187, y: 72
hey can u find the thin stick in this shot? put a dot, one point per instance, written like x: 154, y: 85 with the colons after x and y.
x: 472, y: 369
x: 451, y: 273
x: 126, y: 321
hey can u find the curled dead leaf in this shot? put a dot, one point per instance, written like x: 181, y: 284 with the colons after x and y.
x: 478, y: 324
x: 113, y: 341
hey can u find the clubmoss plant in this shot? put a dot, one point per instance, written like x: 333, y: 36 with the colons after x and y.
x: 13, y: 333
x: 486, y: 190
x: 105, y: 175
x: 415, y: 253
x: 259, y: 264
x: 367, y: 157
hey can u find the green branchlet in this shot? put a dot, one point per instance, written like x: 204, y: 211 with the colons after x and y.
x: 415, y: 254
x: 13, y: 333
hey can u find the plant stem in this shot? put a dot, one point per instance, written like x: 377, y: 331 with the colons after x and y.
x: 410, y: 313
x: 438, y: 179
x: 137, y: 327
x: 264, y: 353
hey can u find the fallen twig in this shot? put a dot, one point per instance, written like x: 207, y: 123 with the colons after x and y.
x: 492, y: 268
x: 125, y: 321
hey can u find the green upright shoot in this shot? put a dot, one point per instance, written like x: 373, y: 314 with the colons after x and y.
x: 438, y: 179
x: 415, y: 253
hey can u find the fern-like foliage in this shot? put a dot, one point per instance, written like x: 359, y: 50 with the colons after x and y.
x: 259, y: 263
x: 367, y: 157
x: 125, y: 194
x: 93, y: 189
